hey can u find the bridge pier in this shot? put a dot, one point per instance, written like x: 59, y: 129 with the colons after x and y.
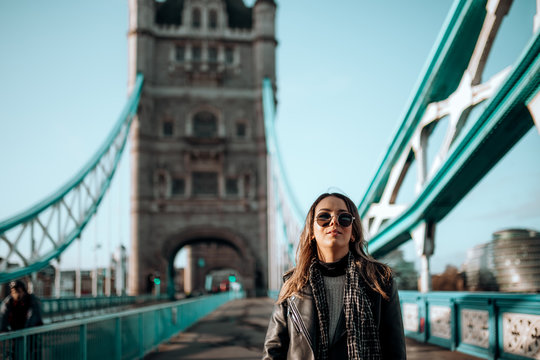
x: 423, y: 236
x: 32, y: 283
x: 425, y: 274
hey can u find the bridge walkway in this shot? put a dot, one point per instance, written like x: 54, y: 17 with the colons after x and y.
x: 236, y: 331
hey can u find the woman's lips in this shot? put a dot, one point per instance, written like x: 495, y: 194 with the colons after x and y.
x: 333, y: 232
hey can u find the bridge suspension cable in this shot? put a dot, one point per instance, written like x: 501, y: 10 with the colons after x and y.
x: 284, y: 215
x: 30, y: 240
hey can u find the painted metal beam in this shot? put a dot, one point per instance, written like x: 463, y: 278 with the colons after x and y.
x: 450, y: 56
x: 60, y: 218
x: 503, y: 122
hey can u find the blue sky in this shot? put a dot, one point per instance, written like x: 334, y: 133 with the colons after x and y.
x: 345, y: 74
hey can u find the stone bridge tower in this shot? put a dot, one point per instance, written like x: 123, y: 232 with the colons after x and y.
x: 198, y: 142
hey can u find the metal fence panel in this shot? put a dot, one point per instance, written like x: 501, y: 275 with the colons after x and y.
x: 61, y: 343
x: 126, y: 335
x: 130, y: 336
x: 487, y: 325
x: 101, y: 340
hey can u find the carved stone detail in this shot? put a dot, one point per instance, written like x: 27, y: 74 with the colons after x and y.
x: 521, y: 334
x: 410, y: 317
x: 439, y: 321
x: 475, y: 327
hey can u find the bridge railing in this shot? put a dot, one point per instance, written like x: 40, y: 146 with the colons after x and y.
x: 68, y: 308
x: 126, y: 335
x: 487, y: 325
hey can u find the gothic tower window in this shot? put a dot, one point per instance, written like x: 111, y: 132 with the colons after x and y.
x: 196, y: 18
x: 196, y: 53
x: 231, y: 186
x: 180, y: 53
x: 213, y: 19
x: 178, y: 186
x: 229, y: 55
x: 167, y: 128
x: 212, y: 54
x: 162, y: 186
x: 241, y: 128
x: 205, y: 125
x: 161, y: 183
x: 205, y: 183
x: 247, y: 185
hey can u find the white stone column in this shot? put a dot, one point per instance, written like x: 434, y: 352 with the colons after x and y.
x: 32, y: 284
x: 425, y: 274
x: 94, y: 282
x: 188, y: 271
x: 57, y: 279
x: 78, y: 270
x: 424, y: 239
x: 120, y: 270
x: 108, y: 280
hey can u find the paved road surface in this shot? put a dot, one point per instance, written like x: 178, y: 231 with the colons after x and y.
x: 236, y: 331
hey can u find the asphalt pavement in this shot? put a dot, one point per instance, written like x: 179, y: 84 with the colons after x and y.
x: 236, y: 331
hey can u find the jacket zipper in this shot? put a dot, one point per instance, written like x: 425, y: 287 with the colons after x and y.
x: 299, y: 322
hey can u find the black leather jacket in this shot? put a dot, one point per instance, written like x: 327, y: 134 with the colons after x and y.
x: 292, y: 332
x: 23, y: 314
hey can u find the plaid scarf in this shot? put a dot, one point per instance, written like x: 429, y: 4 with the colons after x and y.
x: 362, y: 334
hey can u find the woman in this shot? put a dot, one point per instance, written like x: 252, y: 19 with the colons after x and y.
x: 338, y: 303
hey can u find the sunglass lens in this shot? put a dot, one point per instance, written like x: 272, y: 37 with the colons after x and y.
x: 323, y: 219
x: 345, y: 220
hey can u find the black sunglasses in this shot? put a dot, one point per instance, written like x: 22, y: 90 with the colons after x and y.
x: 344, y: 219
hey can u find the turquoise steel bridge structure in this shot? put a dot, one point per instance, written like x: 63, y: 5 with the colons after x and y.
x: 450, y: 87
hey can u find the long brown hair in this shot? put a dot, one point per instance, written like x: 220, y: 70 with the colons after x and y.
x: 374, y: 273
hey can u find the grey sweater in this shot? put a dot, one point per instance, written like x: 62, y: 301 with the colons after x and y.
x: 334, y: 286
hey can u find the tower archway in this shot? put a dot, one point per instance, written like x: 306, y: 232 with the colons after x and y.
x: 208, y: 251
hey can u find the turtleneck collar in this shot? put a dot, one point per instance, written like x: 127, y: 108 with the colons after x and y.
x: 333, y: 269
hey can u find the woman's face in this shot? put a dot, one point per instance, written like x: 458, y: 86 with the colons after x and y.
x: 333, y: 239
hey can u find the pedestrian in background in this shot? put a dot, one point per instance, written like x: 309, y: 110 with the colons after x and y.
x: 338, y: 302
x: 19, y: 309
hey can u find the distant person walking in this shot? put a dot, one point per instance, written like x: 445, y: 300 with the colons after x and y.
x: 338, y: 302
x: 19, y: 309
